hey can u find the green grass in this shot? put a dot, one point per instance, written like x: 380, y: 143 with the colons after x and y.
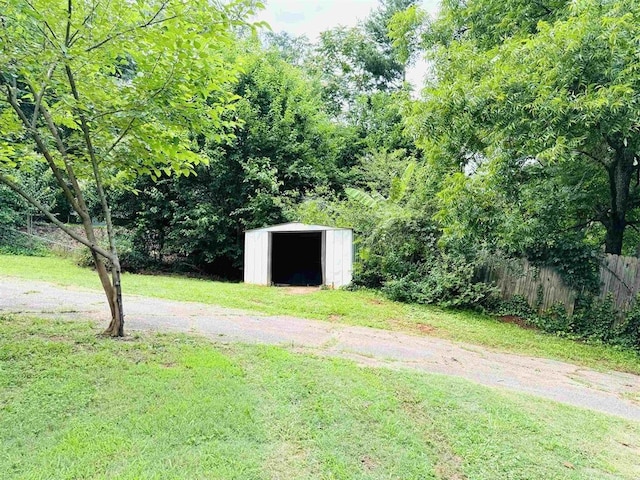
x: 73, y: 405
x: 353, y: 308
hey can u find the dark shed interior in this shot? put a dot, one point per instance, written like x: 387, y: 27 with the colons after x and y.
x: 296, y: 258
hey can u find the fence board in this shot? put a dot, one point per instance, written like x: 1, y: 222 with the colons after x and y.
x: 543, y: 287
x: 621, y: 279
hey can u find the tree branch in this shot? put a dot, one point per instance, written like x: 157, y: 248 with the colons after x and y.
x: 96, y: 170
x: 42, y: 147
x: 82, y: 209
x: 594, y: 158
x: 67, y: 35
x: 38, y: 96
x: 121, y: 137
x: 107, y: 113
x: 152, y: 21
x: 28, y: 2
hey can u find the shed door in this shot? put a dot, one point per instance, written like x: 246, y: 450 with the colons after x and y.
x: 339, y: 257
x: 296, y: 258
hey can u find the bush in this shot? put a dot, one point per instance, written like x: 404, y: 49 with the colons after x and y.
x: 593, y: 319
x: 554, y: 320
x: 627, y: 331
x: 448, y: 284
x: 402, y: 257
x: 596, y: 319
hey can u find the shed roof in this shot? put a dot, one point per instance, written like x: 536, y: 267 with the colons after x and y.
x: 296, y: 227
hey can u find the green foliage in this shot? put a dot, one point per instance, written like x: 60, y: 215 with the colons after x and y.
x: 548, y: 91
x: 628, y: 330
x: 283, y: 146
x: 150, y: 74
x: 16, y: 217
x: 133, y: 257
x: 355, y: 63
x: 450, y: 282
x: 518, y: 306
x: 521, y: 211
x: 594, y: 319
x: 11, y: 209
x: 405, y: 31
x: 13, y: 243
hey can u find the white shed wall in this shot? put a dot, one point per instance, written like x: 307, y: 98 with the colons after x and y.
x: 256, y: 257
x: 338, y: 258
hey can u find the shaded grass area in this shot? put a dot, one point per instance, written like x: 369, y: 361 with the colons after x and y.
x: 354, y: 308
x: 173, y: 406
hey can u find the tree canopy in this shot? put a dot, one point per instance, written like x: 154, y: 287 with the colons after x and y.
x: 549, y: 84
x: 283, y: 147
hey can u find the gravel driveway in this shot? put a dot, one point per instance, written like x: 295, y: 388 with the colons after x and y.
x: 609, y: 392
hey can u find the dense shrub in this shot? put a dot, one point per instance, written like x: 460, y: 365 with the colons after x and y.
x: 627, y: 331
x: 12, y: 243
x: 402, y: 257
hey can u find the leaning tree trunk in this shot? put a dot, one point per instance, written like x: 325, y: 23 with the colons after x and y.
x: 110, y: 284
x: 114, y: 288
x: 116, y: 327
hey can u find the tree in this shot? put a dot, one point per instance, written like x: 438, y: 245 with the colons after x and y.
x: 379, y: 25
x: 284, y: 147
x: 106, y: 91
x: 361, y: 60
x: 293, y: 50
x: 554, y: 83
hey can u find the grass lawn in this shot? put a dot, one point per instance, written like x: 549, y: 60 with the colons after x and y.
x: 174, y: 406
x: 354, y: 308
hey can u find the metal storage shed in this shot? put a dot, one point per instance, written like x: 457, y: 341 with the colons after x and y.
x: 298, y: 254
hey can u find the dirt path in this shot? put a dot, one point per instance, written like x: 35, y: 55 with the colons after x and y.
x: 610, y: 392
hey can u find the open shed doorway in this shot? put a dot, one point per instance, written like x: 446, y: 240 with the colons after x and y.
x: 296, y: 258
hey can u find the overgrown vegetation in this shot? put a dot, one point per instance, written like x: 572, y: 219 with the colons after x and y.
x: 593, y: 319
x: 194, y: 409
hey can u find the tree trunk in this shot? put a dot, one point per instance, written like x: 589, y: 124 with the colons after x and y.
x: 615, y: 234
x: 620, y: 175
x: 113, y: 290
x: 110, y: 285
x: 116, y: 327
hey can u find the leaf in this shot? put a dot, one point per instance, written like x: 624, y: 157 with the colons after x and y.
x: 362, y: 197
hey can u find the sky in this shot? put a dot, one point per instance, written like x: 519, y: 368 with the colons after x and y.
x: 310, y: 17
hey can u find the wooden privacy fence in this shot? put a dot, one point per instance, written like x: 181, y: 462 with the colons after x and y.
x: 543, y: 287
x: 620, y: 277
